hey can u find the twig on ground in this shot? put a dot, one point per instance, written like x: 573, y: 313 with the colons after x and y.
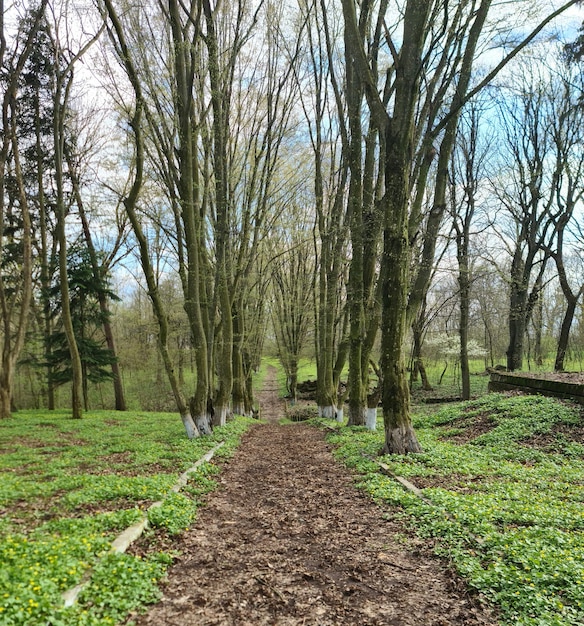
x: 418, y: 492
x: 265, y: 583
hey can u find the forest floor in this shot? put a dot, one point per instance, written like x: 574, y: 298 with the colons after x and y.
x: 287, y: 539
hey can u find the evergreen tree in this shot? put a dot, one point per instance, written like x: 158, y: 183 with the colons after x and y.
x: 85, y: 290
x: 35, y: 128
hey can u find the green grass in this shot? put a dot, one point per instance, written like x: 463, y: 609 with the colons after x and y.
x: 260, y: 377
x: 306, y: 371
x: 448, y: 384
x: 68, y: 488
x: 507, y: 513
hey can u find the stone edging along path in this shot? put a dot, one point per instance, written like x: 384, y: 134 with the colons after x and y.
x: 288, y: 540
x: 123, y: 541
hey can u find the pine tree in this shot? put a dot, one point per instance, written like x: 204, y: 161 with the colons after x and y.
x: 85, y: 289
x: 35, y: 128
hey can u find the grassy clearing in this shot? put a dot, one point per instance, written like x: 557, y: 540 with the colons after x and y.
x: 446, y: 381
x: 306, y: 371
x: 505, y: 476
x: 266, y: 363
x: 68, y: 488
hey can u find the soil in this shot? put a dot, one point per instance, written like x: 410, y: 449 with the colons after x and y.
x: 472, y: 428
x: 287, y: 539
x: 564, y: 377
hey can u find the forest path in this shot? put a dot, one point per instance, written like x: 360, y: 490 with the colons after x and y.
x: 287, y: 539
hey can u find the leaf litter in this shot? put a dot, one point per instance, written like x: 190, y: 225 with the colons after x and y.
x: 287, y: 539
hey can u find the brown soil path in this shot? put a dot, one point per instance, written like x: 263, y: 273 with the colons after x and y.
x: 288, y: 540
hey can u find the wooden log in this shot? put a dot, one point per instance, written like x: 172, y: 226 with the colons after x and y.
x: 418, y: 492
x: 402, y: 481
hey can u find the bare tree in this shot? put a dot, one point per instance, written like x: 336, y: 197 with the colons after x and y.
x: 323, y: 104
x: 434, y: 64
x: 531, y: 176
x: 567, y: 131
x: 118, y: 36
x: 262, y: 177
x: 467, y: 172
x: 213, y: 138
x: 292, y: 286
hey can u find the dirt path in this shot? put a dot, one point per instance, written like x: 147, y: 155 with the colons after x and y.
x: 288, y: 540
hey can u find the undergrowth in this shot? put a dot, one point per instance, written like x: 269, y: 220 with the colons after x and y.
x: 69, y: 487
x: 507, y: 514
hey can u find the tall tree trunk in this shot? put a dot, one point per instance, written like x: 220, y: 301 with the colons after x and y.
x: 464, y: 286
x: 292, y: 382
x: 154, y: 294
x: 239, y: 396
x: 15, y: 308
x: 6, y: 381
x: 130, y: 204
x: 181, y: 362
x: 332, y: 229
x: 85, y: 387
x: 399, y: 434
x: 517, y: 314
x: 372, y: 223
x: 565, y: 333
x: 60, y: 100
x: 220, y: 105
x: 14, y: 330
x: 571, y: 296
x: 417, y: 358
x: 326, y: 390
x: 329, y: 284
x: 44, y: 260
x: 462, y: 243
x: 193, y: 229
x: 355, y: 285
x: 400, y: 437
x: 538, y: 331
x: 240, y: 401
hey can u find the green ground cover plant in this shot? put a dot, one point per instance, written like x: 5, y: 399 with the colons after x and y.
x: 68, y: 488
x: 504, y: 480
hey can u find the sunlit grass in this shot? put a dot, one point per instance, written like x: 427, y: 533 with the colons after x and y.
x: 510, y: 516
x: 68, y: 487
